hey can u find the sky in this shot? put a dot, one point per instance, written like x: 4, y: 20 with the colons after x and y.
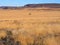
x: 24, y: 2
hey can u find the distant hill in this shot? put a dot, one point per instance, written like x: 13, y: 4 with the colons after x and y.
x: 50, y: 5
x: 47, y: 5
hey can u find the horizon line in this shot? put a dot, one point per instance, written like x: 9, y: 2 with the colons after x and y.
x: 26, y: 4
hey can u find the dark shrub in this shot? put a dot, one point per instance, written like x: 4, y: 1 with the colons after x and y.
x: 9, y: 40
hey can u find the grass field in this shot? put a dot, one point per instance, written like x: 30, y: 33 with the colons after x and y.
x: 31, y: 26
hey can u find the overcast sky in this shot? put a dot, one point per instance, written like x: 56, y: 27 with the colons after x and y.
x: 24, y: 2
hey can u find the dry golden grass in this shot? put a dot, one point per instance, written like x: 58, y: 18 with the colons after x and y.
x: 30, y: 23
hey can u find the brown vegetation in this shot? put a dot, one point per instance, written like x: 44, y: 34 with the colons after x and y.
x: 30, y: 26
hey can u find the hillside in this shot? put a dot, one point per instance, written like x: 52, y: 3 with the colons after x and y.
x: 47, y: 5
x: 52, y: 5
